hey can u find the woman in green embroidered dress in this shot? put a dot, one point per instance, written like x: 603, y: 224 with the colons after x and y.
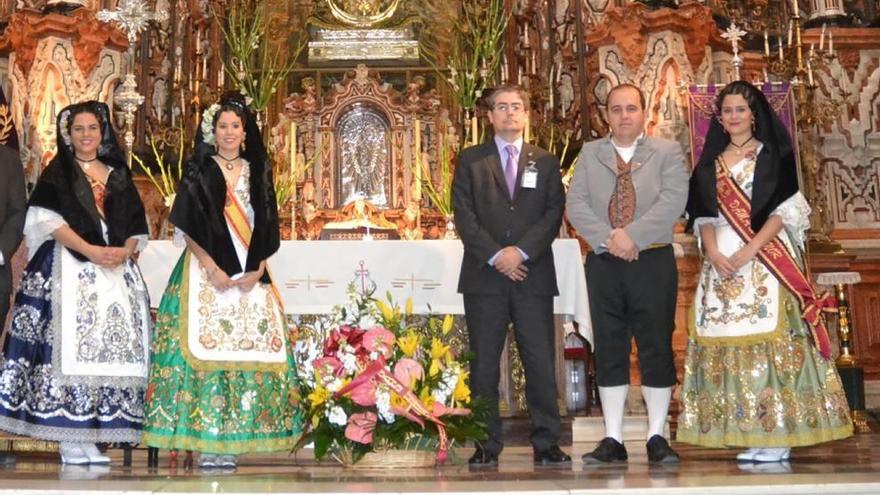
x: 222, y: 376
x: 753, y: 377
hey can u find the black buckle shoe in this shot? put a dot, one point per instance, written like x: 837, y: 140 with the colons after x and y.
x: 660, y: 452
x: 552, y: 455
x: 608, y: 450
x: 483, y: 458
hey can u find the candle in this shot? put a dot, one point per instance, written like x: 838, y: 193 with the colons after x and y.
x: 811, y: 49
x: 781, y: 57
x: 519, y: 75
x: 527, y: 135
x: 790, y: 30
x: 221, y: 77
x: 764, y: 71
x: 831, y: 43
x: 417, y: 193
x: 766, y: 44
x: 794, y: 4
x: 417, y: 155
x: 810, y: 73
x: 474, y: 130
x: 822, y: 38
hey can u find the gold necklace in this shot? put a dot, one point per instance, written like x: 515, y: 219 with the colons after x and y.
x: 739, y: 147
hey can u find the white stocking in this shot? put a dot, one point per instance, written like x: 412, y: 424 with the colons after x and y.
x: 657, y: 401
x: 613, y: 404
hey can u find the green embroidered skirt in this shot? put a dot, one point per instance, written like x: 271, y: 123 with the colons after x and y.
x: 773, y: 392
x: 218, y: 412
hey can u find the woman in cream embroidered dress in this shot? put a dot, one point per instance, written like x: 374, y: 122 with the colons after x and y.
x: 752, y: 375
x: 75, y: 360
x: 222, y: 376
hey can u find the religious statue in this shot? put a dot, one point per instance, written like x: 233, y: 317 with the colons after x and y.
x: 364, y: 154
x: 408, y: 223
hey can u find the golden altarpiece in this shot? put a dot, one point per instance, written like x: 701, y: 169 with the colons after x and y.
x: 372, y: 101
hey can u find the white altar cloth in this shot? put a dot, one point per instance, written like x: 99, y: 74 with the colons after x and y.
x: 313, y: 276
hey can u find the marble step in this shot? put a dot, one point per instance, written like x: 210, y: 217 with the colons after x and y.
x: 592, y: 428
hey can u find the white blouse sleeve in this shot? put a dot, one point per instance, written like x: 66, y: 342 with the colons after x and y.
x: 700, y: 221
x: 39, y: 224
x: 795, y: 214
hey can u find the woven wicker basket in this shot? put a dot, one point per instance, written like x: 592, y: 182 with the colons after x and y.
x: 394, y: 459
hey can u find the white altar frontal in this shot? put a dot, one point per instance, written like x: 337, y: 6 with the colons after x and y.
x: 314, y: 276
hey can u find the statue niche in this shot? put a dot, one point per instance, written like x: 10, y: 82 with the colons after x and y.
x: 363, y: 135
x: 357, y: 140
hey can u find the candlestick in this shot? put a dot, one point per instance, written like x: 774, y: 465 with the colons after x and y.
x: 474, y: 130
x: 822, y: 38
x: 766, y: 44
x: 417, y: 155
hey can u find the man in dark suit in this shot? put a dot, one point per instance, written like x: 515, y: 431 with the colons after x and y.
x: 12, y: 210
x: 508, y: 202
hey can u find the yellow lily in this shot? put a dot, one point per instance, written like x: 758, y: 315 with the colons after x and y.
x: 409, y: 306
x: 427, y: 398
x: 440, y: 352
x: 409, y: 343
x: 462, y: 392
x: 319, y: 396
x: 448, y: 320
x: 386, y: 311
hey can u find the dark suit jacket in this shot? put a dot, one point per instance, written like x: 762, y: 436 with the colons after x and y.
x: 487, y: 220
x: 13, y: 206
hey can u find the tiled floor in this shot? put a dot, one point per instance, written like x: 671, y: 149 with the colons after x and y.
x: 847, y: 467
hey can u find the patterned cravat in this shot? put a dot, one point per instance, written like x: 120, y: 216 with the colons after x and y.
x: 510, y: 169
x: 622, y: 207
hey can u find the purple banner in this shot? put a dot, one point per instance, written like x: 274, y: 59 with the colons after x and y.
x: 701, y: 111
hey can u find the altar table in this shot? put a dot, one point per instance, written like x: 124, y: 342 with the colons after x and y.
x: 314, y: 276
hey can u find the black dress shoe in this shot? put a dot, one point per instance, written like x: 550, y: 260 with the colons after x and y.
x: 660, y: 452
x: 552, y: 455
x: 483, y: 458
x: 608, y: 450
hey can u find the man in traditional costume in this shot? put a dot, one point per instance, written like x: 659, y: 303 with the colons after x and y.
x: 627, y: 192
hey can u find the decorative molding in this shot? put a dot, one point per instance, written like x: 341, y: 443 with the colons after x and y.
x: 87, y: 35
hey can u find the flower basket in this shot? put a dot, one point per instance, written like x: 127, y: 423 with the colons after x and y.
x: 393, y: 459
x: 381, y: 387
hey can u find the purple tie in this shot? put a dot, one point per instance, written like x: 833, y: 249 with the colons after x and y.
x: 510, y: 169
